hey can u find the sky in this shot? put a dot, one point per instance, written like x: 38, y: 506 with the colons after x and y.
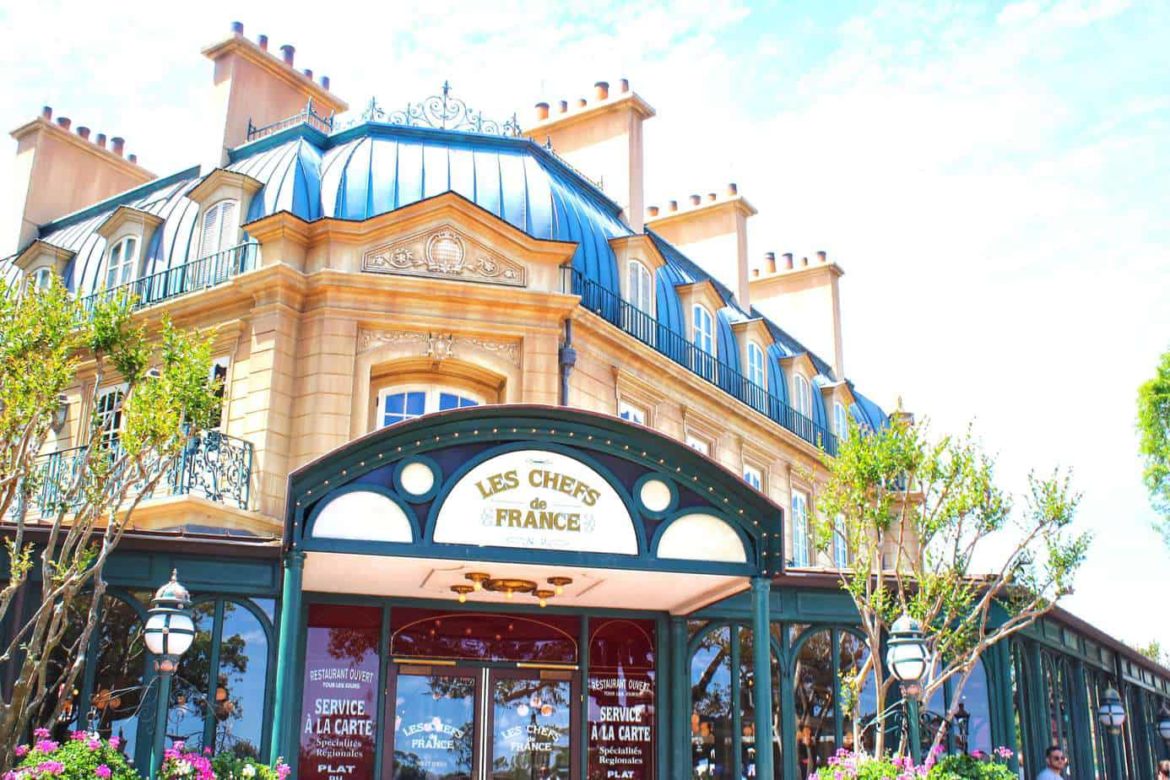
x: 993, y: 177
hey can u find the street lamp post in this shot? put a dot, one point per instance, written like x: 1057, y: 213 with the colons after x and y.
x: 168, y: 633
x: 1164, y: 725
x: 907, y: 661
x: 1111, y: 714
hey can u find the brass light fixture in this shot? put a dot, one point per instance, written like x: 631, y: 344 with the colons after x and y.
x: 462, y: 590
x: 559, y: 583
x: 478, y: 578
x: 543, y: 595
x: 510, y: 586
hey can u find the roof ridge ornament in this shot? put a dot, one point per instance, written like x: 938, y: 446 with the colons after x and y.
x: 442, y: 112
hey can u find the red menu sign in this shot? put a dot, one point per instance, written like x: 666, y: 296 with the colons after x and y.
x: 339, y: 713
x: 621, y: 701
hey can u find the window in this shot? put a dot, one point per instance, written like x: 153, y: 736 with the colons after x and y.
x: 640, y: 286
x: 802, y: 395
x: 840, y: 420
x: 41, y: 279
x: 702, y: 328
x: 109, y: 412
x: 123, y: 258
x: 800, y: 545
x: 699, y: 444
x: 753, y: 476
x: 218, y: 379
x: 755, y: 361
x: 220, y: 227
x: 840, y: 543
x: 631, y: 412
x: 397, y: 405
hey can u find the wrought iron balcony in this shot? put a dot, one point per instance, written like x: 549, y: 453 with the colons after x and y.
x: 182, y: 279
x: 213, y: 465
x: 308, y: 116
x: 678, y: 348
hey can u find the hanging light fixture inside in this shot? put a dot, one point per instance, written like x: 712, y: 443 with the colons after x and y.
x: 462, y: 590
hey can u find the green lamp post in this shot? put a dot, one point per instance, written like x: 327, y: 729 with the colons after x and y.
x: 907, y: 660
x: 168, y: 633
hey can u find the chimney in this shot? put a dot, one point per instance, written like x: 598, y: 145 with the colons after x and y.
x: 101, y: 140
x: 117, y: 145
x: 237, y: 28
x: 672, y: 205
x: 58, y: 172
x: 541, y: 111
x: 325, y: 83
x: 806, y: 300
x: 562, y: 106
x: 132, y: 158
x: 652, y: 211
x: 603, y: 140
x: 252, y: 84
x: 713, y: 233
x: 770, y: 262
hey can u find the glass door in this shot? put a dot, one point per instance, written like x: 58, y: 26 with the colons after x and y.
x: 434, y: 723
x: 531, y: 725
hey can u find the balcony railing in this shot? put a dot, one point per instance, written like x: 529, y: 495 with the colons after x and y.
x: 182, y: 279
x: 213, y: 465
x: 678, y: 348
x: 308, y: 115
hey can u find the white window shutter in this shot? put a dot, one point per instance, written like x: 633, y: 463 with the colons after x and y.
x: 210, y: 239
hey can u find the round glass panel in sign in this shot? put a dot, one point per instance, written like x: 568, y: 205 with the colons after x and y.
x: 655, y: 495
x: 417, y: 478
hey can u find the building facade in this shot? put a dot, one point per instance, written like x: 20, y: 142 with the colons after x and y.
x: 513, y: 474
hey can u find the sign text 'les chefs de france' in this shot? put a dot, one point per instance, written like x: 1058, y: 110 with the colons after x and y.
x: 536, y: 499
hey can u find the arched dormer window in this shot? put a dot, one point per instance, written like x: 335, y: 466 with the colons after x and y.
x: 755, y: 364
x: 840, y: 420
x: 221, y: 227
x: 121, y: 267
x: 802, y: 395
x: 703, y: 329
x: 401, y: 403
x: 40, y: 279
x: 640, y: 286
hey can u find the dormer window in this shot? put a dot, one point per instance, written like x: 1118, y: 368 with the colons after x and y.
x: 41, y: 279
x: 840, y: 420
x: 755, y: 364
x: 221, y: 227
x: 702, y: 329
x: 639, y: 286
x: 123, y: 260
x: 802, y: 395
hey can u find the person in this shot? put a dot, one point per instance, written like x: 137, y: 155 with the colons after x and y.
x: 1056, y: 759
x: 1164, y: 770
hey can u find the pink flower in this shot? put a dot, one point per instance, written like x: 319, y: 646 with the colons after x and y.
x: 103, y: 772
x: 21, y: 751
x: 115, y: 742
x: 46, y: 745
x: 50, y: 767
x: 42, y: 733
x: 283, y: 770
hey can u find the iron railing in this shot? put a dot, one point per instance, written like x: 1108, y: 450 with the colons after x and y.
x: 182, y: 279
x: 213, y: 465
x: 674, y: 345
x: 308, y: 115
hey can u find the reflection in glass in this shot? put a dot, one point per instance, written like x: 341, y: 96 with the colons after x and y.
x: 423, y: 633
x: 238, y: 703
x: 858, y: 708
x: 117, y: 686
x: 975, y: 733
x: 530, y: 729
x: 711, y: 702
x: 58, y: 666
x: 815, y: 719
x: 188, y: 708
x: 434, y: 724
x: 747, y: 690
x: 621, y: 699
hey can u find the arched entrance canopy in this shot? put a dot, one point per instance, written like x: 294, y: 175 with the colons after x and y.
x: 525, y: 488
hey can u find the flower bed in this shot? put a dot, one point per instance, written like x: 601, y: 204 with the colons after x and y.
x: 82, y: 757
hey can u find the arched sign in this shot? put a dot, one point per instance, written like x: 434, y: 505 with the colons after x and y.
x: 536, y: 499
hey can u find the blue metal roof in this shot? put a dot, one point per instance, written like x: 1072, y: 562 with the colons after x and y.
x: 375, y: 168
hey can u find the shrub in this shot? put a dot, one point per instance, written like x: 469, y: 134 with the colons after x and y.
x: 182, y: 764
x: 232, y: 766
x: 84, y: 756
x: 962, y: 767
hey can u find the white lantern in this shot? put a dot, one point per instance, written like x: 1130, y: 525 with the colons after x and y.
x: 1164, y: 724
x: 169, y: 629
x: 1111, y: 713
x: 906, y: 657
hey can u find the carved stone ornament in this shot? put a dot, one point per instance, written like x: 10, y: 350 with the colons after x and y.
x: 439, y: 346
x: 444, y: 253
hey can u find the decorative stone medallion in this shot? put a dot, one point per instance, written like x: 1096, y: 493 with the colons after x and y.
x: 444, y: 253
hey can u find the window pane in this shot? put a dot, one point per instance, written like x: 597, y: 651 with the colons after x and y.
x: 621, y: 680
x: 800, y: 547
x: 747, y: 705
x: 858, y: 694
x: 395, y: 403
x: 239, y: 692
x: 974, y: 731
x: 711, y: 703
x: 117, y: 685
x: 454, y: 401
x: 188, y: 708
x: 416, y: 404
x: 463, y: 402
x: 816, y: 737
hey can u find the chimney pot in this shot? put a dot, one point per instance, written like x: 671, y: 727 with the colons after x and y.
x: 117, y: 145
x: 563, y: 106
x: 732, y: 189
x: 711, y: 196
x: 237, y: 29
x: 64, y: 121
x: 696, y: 200
x: 788, y: 260
x: 770, y: 262
x: 262, y: 42
x: 581, y: 102
x: 541, y: 111
x: 652, y: 211
x: 822, y: 257
x: 672, y: 205
x: 325, y: 83
x: 101, y: 140
x: 625, y: 86
x: 288, y: 51
x: 309, y: 73
x: 601, y: 90
x: 83, y: 132
x: 132, y: 158
x: 803, y: 261
x: 47, y: 113
x: 756, y: 270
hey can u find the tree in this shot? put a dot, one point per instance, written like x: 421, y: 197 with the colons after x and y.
x: 1153, y: 424
x: 1154, y: 651
x: 932, y: 534
x: 66, y: 515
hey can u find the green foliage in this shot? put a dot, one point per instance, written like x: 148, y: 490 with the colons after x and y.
x: 1153, y: 424
x: 960, y: 767
x: 232, y: 766
x: 82, y: 757
x: 933, y: 534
